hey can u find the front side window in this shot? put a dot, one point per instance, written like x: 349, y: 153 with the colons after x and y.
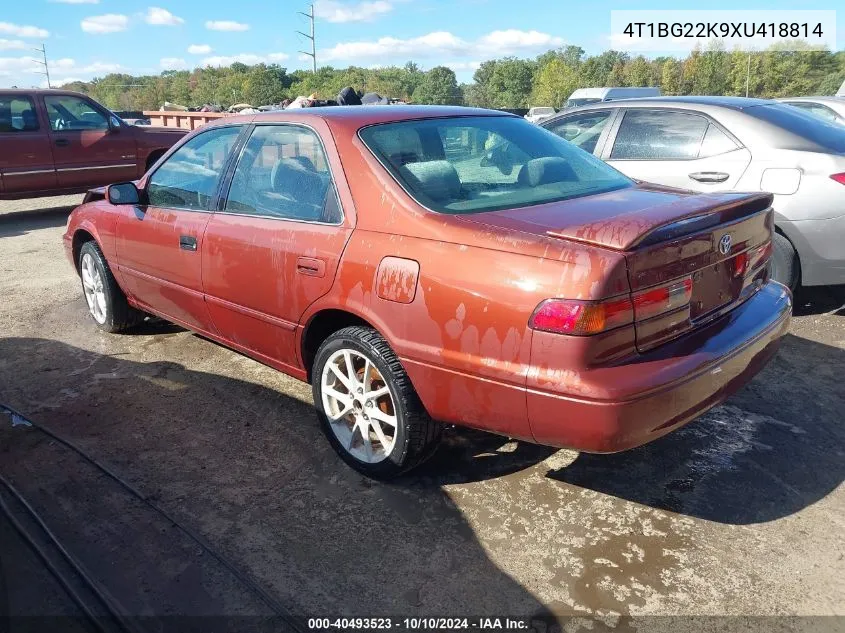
x: 659, y: 135
x: 17, y: 114
x: 283, y: 173
x: 188, y: 178
x: 72, y: 113
x: 473, y: 164
x: 584, y: 130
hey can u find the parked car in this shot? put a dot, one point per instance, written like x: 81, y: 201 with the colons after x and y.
x: 537, y: 114
x: 713, y: 144
x: 828, y: 108
x: 584, y: 96
x: 428, y: 265
x: 59, y: 142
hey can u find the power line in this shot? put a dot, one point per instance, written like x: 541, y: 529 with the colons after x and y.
x: 313, y: 53
x: 43, y: 62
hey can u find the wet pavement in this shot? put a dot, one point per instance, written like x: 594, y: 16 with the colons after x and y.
x: 740, y: 513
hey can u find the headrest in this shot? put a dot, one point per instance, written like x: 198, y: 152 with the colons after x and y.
x: 437, y: 179
x: 542, y: 171
x: 291, y: 178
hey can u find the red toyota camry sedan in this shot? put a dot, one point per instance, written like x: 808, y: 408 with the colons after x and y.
x: 430, y: 265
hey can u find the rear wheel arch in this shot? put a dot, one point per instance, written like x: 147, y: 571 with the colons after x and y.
x: 322, y: 325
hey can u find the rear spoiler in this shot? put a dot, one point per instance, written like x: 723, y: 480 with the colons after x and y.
x: 667, y: 222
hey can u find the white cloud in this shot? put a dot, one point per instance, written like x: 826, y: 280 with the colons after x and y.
x: 199, y: 49
x: 333, y: 11
x: 109, y: 23
x: 10, y: 45
x: 443, y: 43
x: 226, y: 25
x: 76, y: 2
x: 250, y: 59
x: 462, y: 65
x: 23, y: 31
x: 25, y: 72
x: 162, y: 17
x: 173, y: 63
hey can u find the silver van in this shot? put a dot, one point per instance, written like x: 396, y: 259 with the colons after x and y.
x: 583, y: 96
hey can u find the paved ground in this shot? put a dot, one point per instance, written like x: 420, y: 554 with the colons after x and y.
x: 740, y: 513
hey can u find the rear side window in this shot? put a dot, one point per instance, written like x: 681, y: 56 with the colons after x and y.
x: 188, y: 178
x: 17, y: 114
x: 283, y: 173
x: 817, y: 132
x: 659, y: 135
x: 715, y: 142
x: 583, y: 130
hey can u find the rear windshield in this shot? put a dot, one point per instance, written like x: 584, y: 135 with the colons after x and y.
x: 474, y: 164
x: 826, y: 134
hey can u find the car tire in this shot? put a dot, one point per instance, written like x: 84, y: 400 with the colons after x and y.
x: 786, y: 268
x: 350, y: 364
x: 107, y: 304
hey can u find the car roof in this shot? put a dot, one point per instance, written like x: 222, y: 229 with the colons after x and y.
x: 46, y: 91
x: 362, y: 116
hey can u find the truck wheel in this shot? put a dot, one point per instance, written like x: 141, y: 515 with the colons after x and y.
x: 106, y: 302
x: 368, y: 408
x: 785, y: 265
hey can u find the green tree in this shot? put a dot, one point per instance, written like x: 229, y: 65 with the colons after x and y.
x: 439, y: 86
x: 670, y: 77
x: 554, y: 82
x: 638, y: 72
x: 510, y: 83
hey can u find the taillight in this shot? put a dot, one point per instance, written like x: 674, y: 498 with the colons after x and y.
x: 751, y: 259
x: 654, y: 301
x: 840, y: 178
x: 581, y: 318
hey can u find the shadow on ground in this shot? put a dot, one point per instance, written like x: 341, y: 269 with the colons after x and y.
x: 820, y: 300
x: 23, y: 222
x: 775, y: 448
x: 247, y: 467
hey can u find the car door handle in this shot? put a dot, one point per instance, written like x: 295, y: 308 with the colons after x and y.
x: 62, y: 142
x: 187, y: 242
x: 710, y: 176
x: 310, y: 266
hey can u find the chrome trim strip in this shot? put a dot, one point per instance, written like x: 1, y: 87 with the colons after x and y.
x: 97, y: 167
x: 6, y: 174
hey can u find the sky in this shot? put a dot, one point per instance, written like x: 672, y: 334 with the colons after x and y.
x: 91, y: 38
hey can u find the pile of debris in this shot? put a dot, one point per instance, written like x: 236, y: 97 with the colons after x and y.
x: 347, y: 96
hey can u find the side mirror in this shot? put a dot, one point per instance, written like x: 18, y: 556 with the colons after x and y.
x: 123, y: 193
x: 114, y: 124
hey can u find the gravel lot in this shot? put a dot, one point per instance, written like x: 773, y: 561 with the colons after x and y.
x: 740, y: 513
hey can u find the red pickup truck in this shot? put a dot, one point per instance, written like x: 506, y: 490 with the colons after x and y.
x: 56, y: 142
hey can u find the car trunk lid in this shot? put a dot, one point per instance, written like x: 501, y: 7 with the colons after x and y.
x: 710, y: 248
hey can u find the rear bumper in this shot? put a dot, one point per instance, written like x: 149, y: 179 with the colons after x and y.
x: 666, y: 388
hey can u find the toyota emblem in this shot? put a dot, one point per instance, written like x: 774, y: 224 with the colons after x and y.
x: 725, y: 244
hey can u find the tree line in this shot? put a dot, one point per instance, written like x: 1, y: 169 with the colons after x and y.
x: 504, y: 83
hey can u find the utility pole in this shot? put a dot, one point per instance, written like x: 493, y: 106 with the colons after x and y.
x: 43, y: 62
x: 748, y: 74
x: 313, y: 53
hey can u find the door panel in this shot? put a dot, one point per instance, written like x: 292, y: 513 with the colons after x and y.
x: 256, y: 287
x: 26, y: 162
x: 87, y: 152
x: 156, y: 269
x: 275, y: 247
x: 160, y: 245
x: 678, y: 149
